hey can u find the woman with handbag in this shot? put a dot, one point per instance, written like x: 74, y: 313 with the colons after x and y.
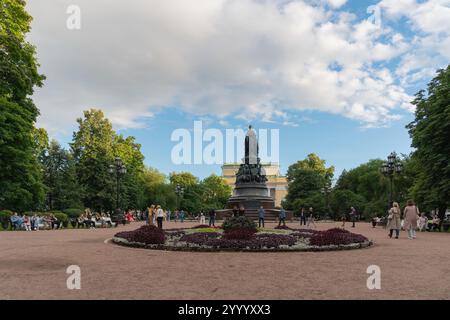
x: 394, y: 220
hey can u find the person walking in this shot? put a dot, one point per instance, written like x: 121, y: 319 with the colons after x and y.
x: 202, y: 217
x: 282, y: 217
x: 159, y: 216
x: 311, y: 219
x: 394, y: 220
x: 182, y: 216
x: 410, y: 215
x: 152, y: 215
x: 302, y: 217
x: 146, y: 215
x: 168, y: 213
x: 353, y: 216
x: 261, y: 214
x: 212, y: 217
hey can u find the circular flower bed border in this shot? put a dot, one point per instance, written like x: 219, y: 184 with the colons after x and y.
x: 291, y: 240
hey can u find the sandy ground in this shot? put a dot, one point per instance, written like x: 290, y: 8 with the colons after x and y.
x: 33, y: 266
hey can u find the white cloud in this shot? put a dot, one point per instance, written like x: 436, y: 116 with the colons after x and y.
x: 247, y: 58
x: 430, y: 45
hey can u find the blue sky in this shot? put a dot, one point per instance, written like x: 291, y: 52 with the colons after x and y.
x: 331, y: 77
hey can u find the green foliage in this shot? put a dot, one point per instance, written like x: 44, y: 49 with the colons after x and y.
x: 60, y: 216
x: 63, y: 190
x: 92, y: 148
x: 95, y: 146
x: 18, y: 65
x: 157, y: 190
x: 306, y: 179
x: 343, y: 200
x: 240, y: 222
x: 201, y: 230
x: 184, y: 179
x: 430, y: 132
x: 21, y: 185
x: 215, y: 192
x: 73, y: 212
x: 316, y: 201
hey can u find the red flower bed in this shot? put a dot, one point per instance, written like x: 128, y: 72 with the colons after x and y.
x: 333, y: 237
x: 257, y: 242
x: 239, y: 234
x: 200, y: 237
x: 145, y: 234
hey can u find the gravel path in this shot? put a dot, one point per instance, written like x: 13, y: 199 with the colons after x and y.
x: 33, y: 266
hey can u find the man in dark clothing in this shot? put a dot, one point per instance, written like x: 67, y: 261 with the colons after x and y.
x: 212, y: 218
x: 261, y: 214
x: 282, y: 217
x: 302, y: 217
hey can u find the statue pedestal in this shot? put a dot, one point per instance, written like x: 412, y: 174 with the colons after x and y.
x: 251, y: 196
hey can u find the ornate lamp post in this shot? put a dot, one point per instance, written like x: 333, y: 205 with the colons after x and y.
x: 179, y: 190
x: 391, y: 167
x: 119, y: 169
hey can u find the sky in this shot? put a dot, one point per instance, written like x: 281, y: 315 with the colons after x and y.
x: 334, y: 77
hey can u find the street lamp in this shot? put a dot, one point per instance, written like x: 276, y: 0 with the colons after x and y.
x: 119, y: 169
x: 179, y: 190
x: 390, y: 168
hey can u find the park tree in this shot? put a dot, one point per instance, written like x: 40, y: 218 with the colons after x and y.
x: 306, y: 179
x: 430, y: 132
x: 95, y: 146
x: 184, y: 179
x: 158, y: 190
x: 215, y: 192
x: 130, y: 153
x: 63, y: 190
x: 92, y: 147
x: 21, y: 185
x: 343, y: 200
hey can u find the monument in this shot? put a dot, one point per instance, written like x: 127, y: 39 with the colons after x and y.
x: 250, y: 190
x: 250, y: 187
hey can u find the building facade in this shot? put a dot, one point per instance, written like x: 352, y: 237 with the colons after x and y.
x: 276, y: 183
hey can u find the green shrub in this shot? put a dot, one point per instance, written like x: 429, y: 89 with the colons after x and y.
x: 73, y: 212
x: 5, y: 216
x: 60, y: 216
x: 241, y: 222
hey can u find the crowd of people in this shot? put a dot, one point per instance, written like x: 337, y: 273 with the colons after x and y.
x: 155, y: 215
x: 410, y: 219
x: 34, y: 222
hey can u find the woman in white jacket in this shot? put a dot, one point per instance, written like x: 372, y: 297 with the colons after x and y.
x: 159, y: 216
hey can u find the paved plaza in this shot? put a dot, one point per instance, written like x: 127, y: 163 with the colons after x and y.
x: 33, y: 266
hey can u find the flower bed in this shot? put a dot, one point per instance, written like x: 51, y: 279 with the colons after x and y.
x: 241, y: 238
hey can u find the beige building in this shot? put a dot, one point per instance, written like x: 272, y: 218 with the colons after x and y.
x: 276, y: 183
